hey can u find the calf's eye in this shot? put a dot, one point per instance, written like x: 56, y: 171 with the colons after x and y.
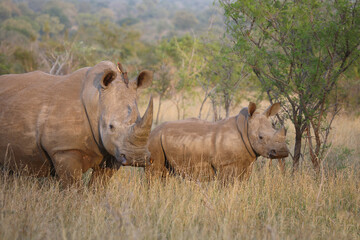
x: 261, y: 137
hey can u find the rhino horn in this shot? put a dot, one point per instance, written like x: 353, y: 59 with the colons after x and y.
x: 281, y: 132
x: 142, y: 127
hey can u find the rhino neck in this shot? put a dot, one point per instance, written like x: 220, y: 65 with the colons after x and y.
x: 90, y: 99
x: 242, y: 125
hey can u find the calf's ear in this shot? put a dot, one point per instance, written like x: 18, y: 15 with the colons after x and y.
x: 272, y: 110
x: 251, y: 108
x: 144, y: 79
x: 108, y: 76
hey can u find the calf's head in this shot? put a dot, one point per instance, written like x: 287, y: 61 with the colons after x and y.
x: 121, y: 130
x: 265, y: 140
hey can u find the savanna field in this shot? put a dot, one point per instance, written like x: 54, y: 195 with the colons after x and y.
x: 210, y: 58
x: 267, y: 206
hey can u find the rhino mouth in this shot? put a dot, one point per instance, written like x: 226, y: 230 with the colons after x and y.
x: 122, y: 160
x: 113, y: 162
x: 278, y: 154
x: 141, y: 162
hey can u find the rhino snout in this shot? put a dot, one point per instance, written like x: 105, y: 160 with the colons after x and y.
x: 121, y: 158
x: 282, y: 153
x: 140, y: 161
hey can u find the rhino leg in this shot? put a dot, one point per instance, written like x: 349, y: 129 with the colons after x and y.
x: 68, y: 167
x: 248, y: 172
x: 230, y: 173
x: 157, y: 169
x: 101, y: 176
x: 158, y: 159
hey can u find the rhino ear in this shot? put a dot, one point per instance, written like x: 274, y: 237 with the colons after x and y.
x: 108, y: 77
x: 251, y: 108
x: 272, y: 110
x: 144, y: 79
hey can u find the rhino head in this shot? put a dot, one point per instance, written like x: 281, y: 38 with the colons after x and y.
x: 110, y: 102
x: 264, y: 139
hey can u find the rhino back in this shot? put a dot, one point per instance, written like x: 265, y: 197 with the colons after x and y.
x: 193, y: 145
x: 26, y: 101
x: 22, y: 98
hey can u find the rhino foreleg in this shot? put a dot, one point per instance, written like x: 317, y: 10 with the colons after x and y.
x: 157, y: 169
x: 68, y: 167
x: 248, y: 172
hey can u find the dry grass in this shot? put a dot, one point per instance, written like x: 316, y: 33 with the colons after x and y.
x: 268, y: 206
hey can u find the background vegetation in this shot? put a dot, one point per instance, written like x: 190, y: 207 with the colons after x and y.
x: 201, y: 64
x: 298, y: 50
x: 268, y: 206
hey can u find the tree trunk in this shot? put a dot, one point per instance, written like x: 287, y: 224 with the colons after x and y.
x: 214, y: 110
x: 227, y: 103
x: 202, y: 104
x: 227, y: 108
x: 183, y: 108
x: 297, y: 149
x: 314, y: 156
x: 178, y: 110
x: 158, y: 112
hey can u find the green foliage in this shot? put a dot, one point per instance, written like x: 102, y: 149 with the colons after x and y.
x: 20, y: 26
x: 5, y: 11
x: 49, y: 25
x: 184, y: 20
x: 119, y: 30
x: 349, y: 89
x: 128, y: 21
x: 26, y: 58
x: 298, y: 50
x: 340, y: 159
x: 224, y: 76
x: 4, y: 64
x: 56, y: 11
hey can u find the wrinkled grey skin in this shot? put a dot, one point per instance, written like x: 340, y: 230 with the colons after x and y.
x: 226, y: 149
x: 64, y: 125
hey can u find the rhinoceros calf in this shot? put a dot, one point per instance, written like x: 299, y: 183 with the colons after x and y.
x: 64, y: 125
x: 226, y: 149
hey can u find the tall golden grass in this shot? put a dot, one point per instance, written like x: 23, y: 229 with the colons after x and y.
x: 267, y: 206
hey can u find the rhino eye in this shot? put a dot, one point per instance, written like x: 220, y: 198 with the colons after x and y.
x: 111, y: 127
x: 261, y: 137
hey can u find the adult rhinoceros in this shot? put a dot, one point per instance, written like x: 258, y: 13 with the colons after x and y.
x: 226, y: 149
x: 64, y: 125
